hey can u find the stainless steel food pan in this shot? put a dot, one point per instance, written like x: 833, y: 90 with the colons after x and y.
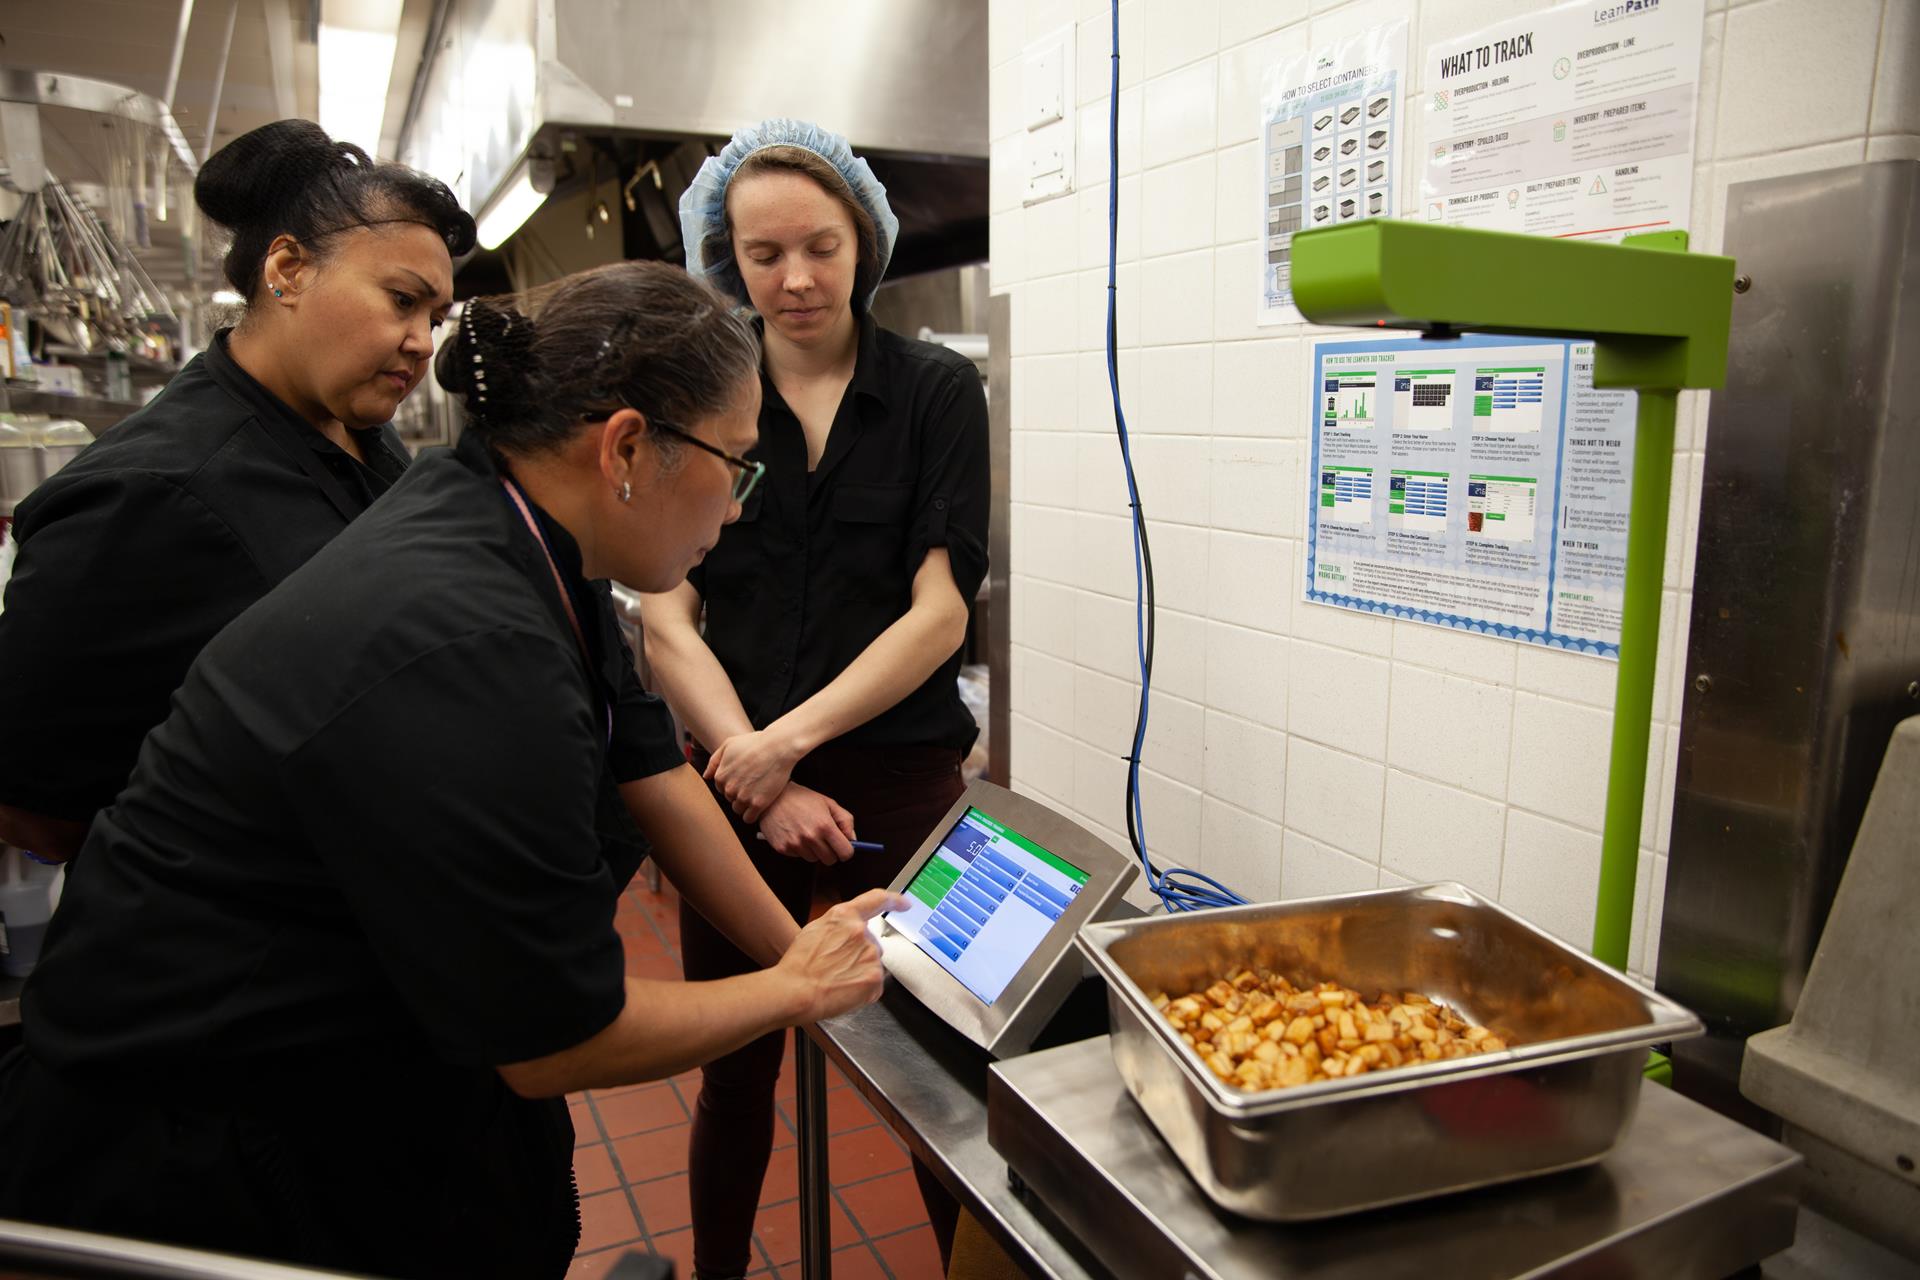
x: 1557, y: 1099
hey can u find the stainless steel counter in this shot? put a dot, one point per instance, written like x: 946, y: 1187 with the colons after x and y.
x: 930, y: 1084
x: 1686, y: 1194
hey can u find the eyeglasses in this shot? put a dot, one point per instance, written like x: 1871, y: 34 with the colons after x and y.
x: 747, y: 473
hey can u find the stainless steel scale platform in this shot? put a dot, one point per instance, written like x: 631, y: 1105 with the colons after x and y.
x: 1686, y: 1193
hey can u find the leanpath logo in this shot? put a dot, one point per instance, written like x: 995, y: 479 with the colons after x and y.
x: 1623, y: 9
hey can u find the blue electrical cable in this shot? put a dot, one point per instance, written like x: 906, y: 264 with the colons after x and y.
x: 1177, y: 888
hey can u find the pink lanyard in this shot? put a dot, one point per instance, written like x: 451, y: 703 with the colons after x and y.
x: 560, y: 584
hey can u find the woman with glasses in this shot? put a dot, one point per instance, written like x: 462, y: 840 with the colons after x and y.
x: 254, y: 457
x: 823, y: 691
x: 326, y: 967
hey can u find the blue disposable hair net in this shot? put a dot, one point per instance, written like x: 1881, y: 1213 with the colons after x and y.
x: 703, y: 206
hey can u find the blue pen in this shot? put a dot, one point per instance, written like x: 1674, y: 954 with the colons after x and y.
x: 859, y: 846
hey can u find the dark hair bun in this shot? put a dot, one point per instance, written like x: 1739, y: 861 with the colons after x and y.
x: 261, y: 173
x: 490, y: 363
x: 290, y: 178
x: 453, y: 364
x: 641, y: 334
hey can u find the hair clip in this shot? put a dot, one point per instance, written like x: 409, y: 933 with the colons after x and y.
x: 479, y: 364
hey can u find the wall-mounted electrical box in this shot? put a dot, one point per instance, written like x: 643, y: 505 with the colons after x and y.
x: 1047, y: 98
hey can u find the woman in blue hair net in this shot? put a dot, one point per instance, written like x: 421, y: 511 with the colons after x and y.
x: 823, y: 691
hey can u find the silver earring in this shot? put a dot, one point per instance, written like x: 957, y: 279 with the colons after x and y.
x: 626, y: 491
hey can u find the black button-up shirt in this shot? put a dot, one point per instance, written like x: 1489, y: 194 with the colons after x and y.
x: 136, y: 553
x: 373, y: 852
x: 819, y: 564
x: 381, y: 813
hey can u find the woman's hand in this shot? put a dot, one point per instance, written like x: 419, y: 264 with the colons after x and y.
x: 802, y: 823
x: 836, y: 961
x: 751, y: 769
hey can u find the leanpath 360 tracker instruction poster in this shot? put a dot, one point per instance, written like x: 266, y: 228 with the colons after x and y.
x: 1479, y: 483
x: 1576, y: 121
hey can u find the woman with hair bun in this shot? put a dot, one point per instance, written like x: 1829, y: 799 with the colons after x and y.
x: 325, y: 969
x: 257, y: 454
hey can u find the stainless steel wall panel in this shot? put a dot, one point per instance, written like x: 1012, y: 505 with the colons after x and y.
x: 999, y: 539
x: 1804, y: 650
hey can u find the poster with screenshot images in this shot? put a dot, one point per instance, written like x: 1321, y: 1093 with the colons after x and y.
x: 1330, y: 151
x: 984, y: 900
x: 1479, y: 483
x: 1572, y: 121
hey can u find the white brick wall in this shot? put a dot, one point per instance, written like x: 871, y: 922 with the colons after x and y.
x: 1296, y: 749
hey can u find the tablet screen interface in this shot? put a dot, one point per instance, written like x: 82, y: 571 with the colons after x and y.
x: 984, y: 901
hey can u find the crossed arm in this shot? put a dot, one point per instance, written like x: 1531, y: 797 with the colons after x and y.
x: 753, y: 768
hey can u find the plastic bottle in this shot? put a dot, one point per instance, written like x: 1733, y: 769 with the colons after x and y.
x: 119, y: 376
x: 26, y: 904
x: 6, y: 557
x: 60, y: 443
x: 19, y: 464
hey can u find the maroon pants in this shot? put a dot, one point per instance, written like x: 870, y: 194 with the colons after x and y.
x: 896, y: 796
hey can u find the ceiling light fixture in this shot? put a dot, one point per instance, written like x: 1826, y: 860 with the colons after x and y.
x: 357, y: 42
x: 524, y: 191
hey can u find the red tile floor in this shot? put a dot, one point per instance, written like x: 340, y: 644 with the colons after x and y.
x: 630, y: 1154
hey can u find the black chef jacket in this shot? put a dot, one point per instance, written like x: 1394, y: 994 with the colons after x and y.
x: 373, y: 852
x: 818, y: 565
x: 136, y: 553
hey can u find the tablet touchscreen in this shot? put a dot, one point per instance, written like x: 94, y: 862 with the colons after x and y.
x: 984, y: 900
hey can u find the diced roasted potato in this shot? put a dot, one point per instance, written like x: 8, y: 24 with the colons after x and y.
x: 1257, y: 1030
x: 1235, y: 1043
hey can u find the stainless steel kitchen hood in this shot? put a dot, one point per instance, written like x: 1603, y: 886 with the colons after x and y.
x: 604, y: 89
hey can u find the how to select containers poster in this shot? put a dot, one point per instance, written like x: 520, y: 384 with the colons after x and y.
x: 1331, y: 128
x: 1479, y: 483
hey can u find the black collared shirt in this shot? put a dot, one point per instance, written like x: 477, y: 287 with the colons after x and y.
x: 381, y: 813
x: 136, y: 553
x: 819, y: 564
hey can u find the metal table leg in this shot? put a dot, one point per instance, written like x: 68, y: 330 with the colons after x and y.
x: 816, y: 1191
